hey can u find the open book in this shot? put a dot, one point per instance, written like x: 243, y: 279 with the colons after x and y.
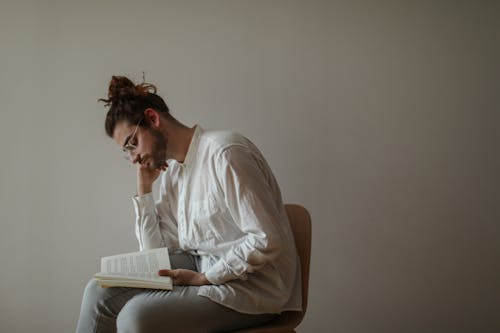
x: 136, y: 270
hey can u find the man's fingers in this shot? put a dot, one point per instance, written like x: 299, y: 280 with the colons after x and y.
x: 174, y: 274
x: 166, y: 272
x: 184, y: 277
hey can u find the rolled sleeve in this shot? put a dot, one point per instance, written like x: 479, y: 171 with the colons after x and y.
x: 143, y: 204
x: 147, y: 229
x: 221, y: 272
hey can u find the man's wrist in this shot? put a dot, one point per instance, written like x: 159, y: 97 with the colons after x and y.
x: 144, y: 190
x: 204, y: 280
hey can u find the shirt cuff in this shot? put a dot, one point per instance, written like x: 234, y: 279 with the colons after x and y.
x: 143, y: 203
x: 217, y: 273
x: 220, y: 273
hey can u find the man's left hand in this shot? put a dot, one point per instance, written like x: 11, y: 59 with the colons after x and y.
x: 185, y: 277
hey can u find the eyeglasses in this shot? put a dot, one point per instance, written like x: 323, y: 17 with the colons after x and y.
x: 129, y: 148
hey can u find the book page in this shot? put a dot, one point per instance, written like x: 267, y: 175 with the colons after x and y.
x: 143, y: 264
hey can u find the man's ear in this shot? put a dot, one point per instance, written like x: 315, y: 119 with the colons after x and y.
x: 153, y: 117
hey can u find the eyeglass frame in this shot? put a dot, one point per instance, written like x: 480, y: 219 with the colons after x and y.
x: 129, y: 148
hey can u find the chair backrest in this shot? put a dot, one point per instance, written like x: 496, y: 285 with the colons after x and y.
x: 300, y: 221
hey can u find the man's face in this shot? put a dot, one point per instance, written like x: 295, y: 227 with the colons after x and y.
x: 150, y: 144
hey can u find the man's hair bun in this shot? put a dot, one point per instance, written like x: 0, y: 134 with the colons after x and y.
x: 122, y: 88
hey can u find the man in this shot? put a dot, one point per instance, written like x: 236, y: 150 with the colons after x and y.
x: 220, y: 213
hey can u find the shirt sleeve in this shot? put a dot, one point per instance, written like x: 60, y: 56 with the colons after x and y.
x: 253, y: 198
x: 154, y: 227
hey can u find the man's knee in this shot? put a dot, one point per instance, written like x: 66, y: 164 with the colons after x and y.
x: 91, y: 293
x: 89, y: 309
x: 100, y: 306
x: 99, y: 299
x: 134, y: 318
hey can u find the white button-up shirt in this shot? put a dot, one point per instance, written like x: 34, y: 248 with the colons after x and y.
x: 224, y: 205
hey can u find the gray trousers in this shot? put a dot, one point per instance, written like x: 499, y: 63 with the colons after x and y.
x: 133, y: 310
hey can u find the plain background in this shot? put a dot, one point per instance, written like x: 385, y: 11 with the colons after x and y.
x: 381, y: 117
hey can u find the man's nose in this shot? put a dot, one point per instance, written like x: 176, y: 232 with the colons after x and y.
x: 132, y: 156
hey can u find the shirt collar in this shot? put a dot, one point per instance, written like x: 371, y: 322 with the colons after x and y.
x: 193, y: 145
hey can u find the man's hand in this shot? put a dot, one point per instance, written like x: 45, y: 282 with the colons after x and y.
x: 145, y: 175
x: 185, y: 277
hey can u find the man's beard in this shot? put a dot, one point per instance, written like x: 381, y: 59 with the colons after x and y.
x: 159, y: 153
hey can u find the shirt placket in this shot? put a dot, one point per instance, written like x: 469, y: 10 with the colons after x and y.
x: 182, y: 207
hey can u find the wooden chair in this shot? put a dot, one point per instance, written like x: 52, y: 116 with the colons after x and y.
x: 300, y: 221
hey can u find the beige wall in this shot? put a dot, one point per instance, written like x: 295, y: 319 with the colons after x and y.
x: 382, y: 118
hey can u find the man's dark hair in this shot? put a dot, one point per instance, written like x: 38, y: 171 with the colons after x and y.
x: 127, y: 102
